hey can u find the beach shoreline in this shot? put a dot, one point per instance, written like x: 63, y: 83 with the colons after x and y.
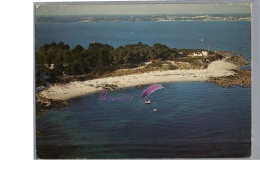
x: 216, y: 69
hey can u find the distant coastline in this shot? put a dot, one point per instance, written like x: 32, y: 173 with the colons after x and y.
x: 117, y: 21
x: 142, y: 18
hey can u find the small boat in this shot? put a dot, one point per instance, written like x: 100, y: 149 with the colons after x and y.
x: 147, y: 102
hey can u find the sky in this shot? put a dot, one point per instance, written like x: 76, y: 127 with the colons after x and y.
x: 133, y: 9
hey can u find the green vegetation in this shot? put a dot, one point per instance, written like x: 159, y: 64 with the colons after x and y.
x: 99, y: 60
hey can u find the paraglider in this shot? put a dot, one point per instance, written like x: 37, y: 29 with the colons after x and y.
x: 150, y: 90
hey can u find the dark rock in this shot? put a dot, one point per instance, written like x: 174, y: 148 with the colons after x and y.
x: 109, y: 86
x: 44, y: 104
x: 240, y: 78
x: 139, y: 86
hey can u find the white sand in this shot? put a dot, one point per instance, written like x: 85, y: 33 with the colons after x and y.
x: 76, y: 89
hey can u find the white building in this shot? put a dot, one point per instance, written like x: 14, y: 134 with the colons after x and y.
x: 197, y: 54
x: 203, y: 53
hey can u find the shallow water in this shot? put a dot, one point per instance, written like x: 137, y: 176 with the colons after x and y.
x: 194, y: 119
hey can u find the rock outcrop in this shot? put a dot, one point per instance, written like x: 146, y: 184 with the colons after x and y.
x: 43, y: 104
x: 240, y: 78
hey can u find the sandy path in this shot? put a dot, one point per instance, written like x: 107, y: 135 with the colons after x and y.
x: 75, y: 89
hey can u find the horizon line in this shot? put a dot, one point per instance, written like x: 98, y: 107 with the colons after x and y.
x: 146, y: 14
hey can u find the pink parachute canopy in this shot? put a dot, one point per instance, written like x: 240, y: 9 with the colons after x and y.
x: 150, y: 90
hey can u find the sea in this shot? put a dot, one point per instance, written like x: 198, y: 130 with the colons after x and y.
x: 193, y: 119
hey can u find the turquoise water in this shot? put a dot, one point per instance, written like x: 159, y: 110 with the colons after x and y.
x: 194, y: 119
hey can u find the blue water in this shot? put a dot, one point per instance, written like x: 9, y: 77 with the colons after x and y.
x: 194, y: 119
x: 221, y: 35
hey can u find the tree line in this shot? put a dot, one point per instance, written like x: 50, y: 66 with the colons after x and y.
x: 97, y: 58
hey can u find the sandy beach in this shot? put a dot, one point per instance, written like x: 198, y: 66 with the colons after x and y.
x: 76, y: 89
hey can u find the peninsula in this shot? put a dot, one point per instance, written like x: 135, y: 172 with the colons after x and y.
x: 63, y: 73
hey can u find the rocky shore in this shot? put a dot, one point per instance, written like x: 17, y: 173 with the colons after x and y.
x: 43, y: 104
x: 240, y: 78
x: 237, y: 60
